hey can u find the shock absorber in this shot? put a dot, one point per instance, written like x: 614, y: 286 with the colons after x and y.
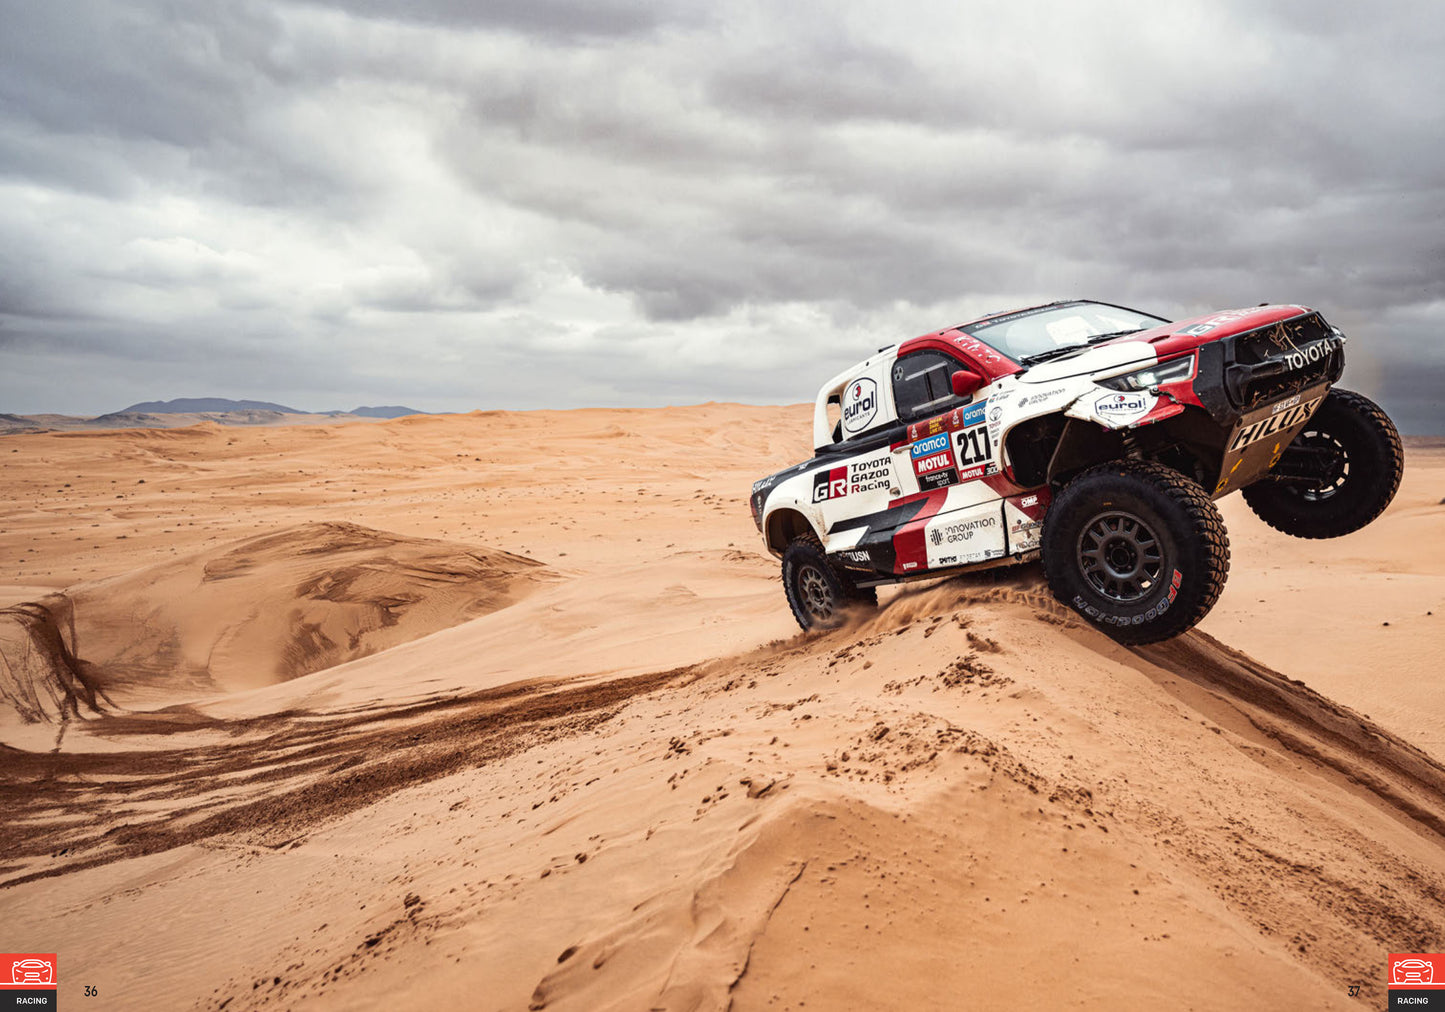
x: 1131, y: 445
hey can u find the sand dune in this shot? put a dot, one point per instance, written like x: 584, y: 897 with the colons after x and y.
x: 265, y: 610
x: 636, y: 786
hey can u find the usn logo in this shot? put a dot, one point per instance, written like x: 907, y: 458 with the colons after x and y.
x: 860, y: 404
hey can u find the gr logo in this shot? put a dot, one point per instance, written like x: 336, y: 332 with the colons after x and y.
x: 830, y: 484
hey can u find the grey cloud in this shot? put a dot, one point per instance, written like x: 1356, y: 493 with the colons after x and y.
x: 488, y: 203
x: 545, y: 19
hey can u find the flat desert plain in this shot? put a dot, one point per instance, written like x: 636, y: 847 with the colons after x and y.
x: 507, y: 711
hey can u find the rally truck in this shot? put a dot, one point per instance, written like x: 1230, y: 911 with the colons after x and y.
x: 1088, y: 436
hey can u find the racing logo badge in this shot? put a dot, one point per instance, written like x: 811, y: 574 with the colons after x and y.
x: 860, y: 404
x: 830, y: 484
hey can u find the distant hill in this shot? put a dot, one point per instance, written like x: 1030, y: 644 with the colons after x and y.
x: 222, y: 405
x: 385, y: 411
x: 197, y: 405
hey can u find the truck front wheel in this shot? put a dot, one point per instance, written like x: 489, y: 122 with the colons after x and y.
x: 1137, y: 549
x: 818, y: 594
x: 1339, y: 474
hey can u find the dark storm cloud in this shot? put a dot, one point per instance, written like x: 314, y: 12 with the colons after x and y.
x: 543, y: 202
x: 545, y: 19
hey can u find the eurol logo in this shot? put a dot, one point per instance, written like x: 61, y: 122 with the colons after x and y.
x: 860, y: 404
x: 1120, y: 404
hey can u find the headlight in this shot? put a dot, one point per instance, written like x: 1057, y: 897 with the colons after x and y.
x: 1147, y: 379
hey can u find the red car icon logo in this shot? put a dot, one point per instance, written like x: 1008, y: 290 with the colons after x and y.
x: 1411, y: 971
x: 32, y: 971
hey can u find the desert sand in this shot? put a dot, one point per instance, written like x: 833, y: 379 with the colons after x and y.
x: 506, y: 711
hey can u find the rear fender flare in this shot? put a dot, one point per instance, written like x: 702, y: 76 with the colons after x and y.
x: 785, y: 522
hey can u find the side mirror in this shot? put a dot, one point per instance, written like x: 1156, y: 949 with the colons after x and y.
x: 966, y: 382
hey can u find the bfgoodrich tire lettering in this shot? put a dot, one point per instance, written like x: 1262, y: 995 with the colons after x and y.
x: 1137, y: 549
x: 1367, y: 464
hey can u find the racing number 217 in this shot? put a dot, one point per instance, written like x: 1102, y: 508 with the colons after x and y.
x: 973, y: 446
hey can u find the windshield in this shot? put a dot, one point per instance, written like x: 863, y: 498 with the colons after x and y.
x: 1049, y: 328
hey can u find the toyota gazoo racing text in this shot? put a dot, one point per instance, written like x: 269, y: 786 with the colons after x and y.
x: 1088, y: 435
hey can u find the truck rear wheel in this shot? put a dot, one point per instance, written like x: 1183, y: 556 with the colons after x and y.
x: 818, y: 594
x: 1338, y: 475
x: 1137, y: 549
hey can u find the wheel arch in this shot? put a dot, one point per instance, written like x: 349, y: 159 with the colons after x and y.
x: 783, y: 525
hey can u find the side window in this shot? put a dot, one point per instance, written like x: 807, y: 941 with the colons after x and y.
x: 923, y: 385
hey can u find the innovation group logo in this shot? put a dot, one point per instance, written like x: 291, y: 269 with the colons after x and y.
x: 28, y: 981
x: 1416, y: 980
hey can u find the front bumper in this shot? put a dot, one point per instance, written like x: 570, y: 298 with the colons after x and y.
x: 1242, y: 373
x: 1262, y: 387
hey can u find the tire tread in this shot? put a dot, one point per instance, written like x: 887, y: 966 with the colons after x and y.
x: 1204, y: 522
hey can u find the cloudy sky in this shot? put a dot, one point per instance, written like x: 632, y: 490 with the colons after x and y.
x: 455, y: 204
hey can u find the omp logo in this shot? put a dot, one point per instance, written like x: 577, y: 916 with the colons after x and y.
x: 830, y: 484
x: 932, y: 444
x: 860, y: 404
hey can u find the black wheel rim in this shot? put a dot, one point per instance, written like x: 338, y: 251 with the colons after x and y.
x: 1333, y: 461
x: 1120, y: 556
x: 816, y: 595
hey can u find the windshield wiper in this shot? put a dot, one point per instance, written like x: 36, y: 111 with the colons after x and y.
x: 1118, y: 333
x: 1043, y: 356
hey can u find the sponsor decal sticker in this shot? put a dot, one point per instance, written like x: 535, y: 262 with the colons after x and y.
x: 975, y: 452
x: 938, y: 479
x: 870, y: 474
x: 973, y: 414
x: 1039, y: 398
x: 860, y: 404
x: 949, y: 534
x: 1122, y: 408
x: 1255, y: 431
x: 830, y: 484
x: 936, y: 462
x: 926, y: 447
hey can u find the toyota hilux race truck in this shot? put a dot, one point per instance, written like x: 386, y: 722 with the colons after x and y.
x: 1088, y: 435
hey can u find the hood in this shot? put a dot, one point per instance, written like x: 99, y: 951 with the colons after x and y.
x: 1176, y: 338
x: 1118, y: 354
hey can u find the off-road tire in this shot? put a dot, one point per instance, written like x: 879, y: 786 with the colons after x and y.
x: 1137, y: 549
x: 818, y: 594
x: 1369, y: 465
